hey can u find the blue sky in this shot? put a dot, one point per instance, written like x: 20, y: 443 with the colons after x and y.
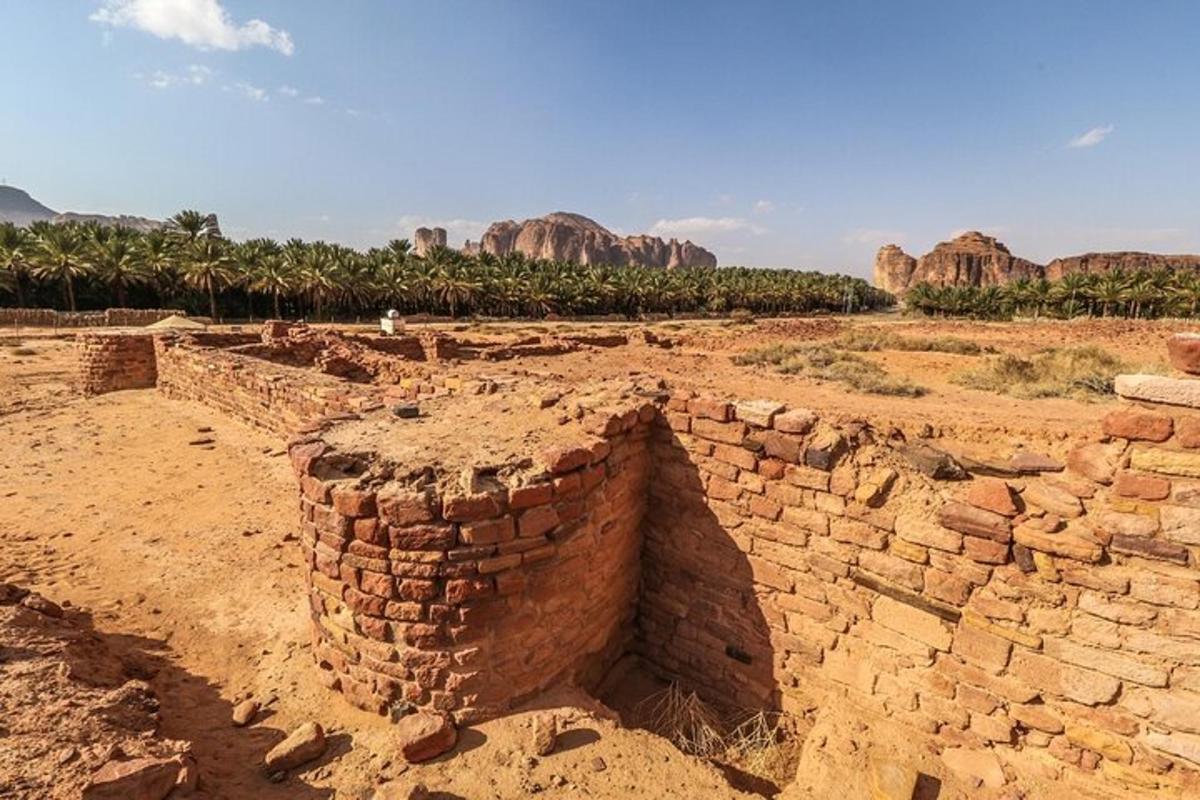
x: 775, y: 133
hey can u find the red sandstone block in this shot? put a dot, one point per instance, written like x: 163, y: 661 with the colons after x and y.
x: 975, y: 521
x: 303, y: 454
x: 992, y: 494
x: 762, y: 507
x: 592, y: 476
x: 561, y: 459
x: 853, y: 532
x: 947, y: 587
x: 467, y: 508
x: 710, y: 408
x: 1145, y: 487
x: 353, y: 502
x: 368, y: 529
x: 538, y: 554
x: 459, y: 590
x: 487, y: 532
x: 377, y: 584
x: 737, y: 456
x: 538, y: 521
x: 1134, y: 423
x: 1187, y: 431
x: 771, y: 468
x: 400, y: 507
x: 498, y: 564
x: 721, y: 489
x: 364, y: 603
x: 415, y: 590
x: 727, y: 432
x: 985, y: 551
x: 314, y: 489
x: 421, y: 537
x: 535, y: 494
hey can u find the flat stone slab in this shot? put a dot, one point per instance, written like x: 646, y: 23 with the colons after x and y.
x: 1159, y: 389
x: 1184, y: 351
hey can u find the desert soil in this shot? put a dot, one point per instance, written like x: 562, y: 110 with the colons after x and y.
x: 168, y: 529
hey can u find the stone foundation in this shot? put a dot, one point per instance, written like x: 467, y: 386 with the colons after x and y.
x: 1036, y: 610
x: 109, y: 362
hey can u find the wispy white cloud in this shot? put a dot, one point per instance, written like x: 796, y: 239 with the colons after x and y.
x: 203, y: 24
x: 1093, y: 137
x: 763, y: 207
x: 314, y: 100
x: 457, y: 230
x: 289, y: 91
x: 249, y: 91
x: 193, y: 75
x: 875, y: 236
x: 704, y: 226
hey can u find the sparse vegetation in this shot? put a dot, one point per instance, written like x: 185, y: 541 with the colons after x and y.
x: 765, y: 746
x: 873, y: 339
x: 1084, y: 372
x: 825, y: 362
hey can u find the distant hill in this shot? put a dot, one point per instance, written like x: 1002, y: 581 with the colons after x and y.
x: 17, y: 207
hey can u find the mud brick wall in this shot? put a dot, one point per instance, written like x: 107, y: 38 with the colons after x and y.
x: 472, y: 599
x: 109, y: 362
x: 113, y: 317
x: 1039, y: 613
x: 278, y: 399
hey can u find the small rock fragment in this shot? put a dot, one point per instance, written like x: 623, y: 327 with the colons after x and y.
x: 244, y: 712
x: 302, y: 745
x: 407, y: 410
x: 545, y: 733
x: 136, y: 779
x: 424, y: 735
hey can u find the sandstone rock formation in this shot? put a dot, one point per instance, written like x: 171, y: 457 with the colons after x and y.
x: 972, y: 259
x: 1126, y: 261
x: 572, y: 237
x: 425, y: 239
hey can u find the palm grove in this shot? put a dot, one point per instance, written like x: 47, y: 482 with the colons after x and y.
x: 188, y: 264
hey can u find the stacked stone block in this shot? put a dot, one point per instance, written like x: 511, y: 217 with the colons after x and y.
x: 472, y: 598
x: 109, y: 362
x: 1044, y: 612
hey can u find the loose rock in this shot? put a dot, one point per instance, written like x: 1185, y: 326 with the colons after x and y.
x: 423, y: 736
x: 302, y: 745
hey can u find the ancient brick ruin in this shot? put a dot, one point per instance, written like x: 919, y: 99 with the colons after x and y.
x: 1038, y: 609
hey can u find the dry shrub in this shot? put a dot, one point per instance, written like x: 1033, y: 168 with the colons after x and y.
x: 875, y: 339
x: 763, y: 745
x: 1085, y: 372
x: 741, y: 316
x: 824, y: 362
x: 22, y: 351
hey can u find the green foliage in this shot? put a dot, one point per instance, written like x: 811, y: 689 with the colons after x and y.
x: 191, y: 263
x: 1144, y: 294
x: 827, y: 363
x: 1085, y: 372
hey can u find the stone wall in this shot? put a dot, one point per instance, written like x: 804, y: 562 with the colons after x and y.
x: 1035, y: 614
x: 472, y: 598
x: 109, y: 362
x: 277, y: 398
x: 112, y: 317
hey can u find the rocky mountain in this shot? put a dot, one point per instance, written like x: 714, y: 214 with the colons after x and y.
x: 563, y: 236
x: 1125, y: 261
x: 425, y: 239
x: 972, y: 259
x: 17, y: 207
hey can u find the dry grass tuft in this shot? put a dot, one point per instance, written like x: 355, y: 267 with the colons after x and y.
x: 875, y: 339
x: 763, y: 745
x: 1083, y: 373
x: 824, y: 362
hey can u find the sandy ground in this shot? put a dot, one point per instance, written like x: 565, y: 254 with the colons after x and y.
x: 182, y: 554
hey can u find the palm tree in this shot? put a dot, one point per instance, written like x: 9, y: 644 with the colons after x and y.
x: 247, y: 259
x: 193, y: 225
x: 114, y: 258
x: 16, y: 249
x: 158, y: 251
x: 274, y: 277
x: 207, y: 266
x: 60, y: 254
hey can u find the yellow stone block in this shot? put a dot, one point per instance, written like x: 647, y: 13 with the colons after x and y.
x: 976, y: 620
x: 891, y: 780
x: 1106, y: 744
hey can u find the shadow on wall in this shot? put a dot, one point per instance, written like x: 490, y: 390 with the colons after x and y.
x: 701, y: 621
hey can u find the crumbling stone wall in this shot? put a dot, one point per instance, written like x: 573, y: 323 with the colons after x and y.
x: 112, y: 317
x: 1034, y: 613
x: 109, y: 362
x: 271, y: 397
x: 472, y: 598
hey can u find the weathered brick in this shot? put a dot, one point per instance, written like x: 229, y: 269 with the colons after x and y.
x: 1133, y: 423
x: 1144, y: 487
x: 710, y: 408
x: 538, y: 521
x: 489, y: 531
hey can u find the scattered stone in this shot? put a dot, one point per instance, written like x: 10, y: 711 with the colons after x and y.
x: 1095, y: 461
x: 992, y: 495
x: 11, y: 594
x: 798, y: 420
x: 1053, y: 499
x: 975, y: 522
x: 1159, y: 389
x: 425, y: 735
x: 138, y: 779
x: 1183, y: 349
x: 1027, y: 463
x: 760, y: 413
x: 935, y: 463
x: 244, y: 712
x: 598, y: 764
x: 301, y: 746
x: 545, y: 733
x: 407, y: 410
x: 201, y: 441
x: 41, y: 605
